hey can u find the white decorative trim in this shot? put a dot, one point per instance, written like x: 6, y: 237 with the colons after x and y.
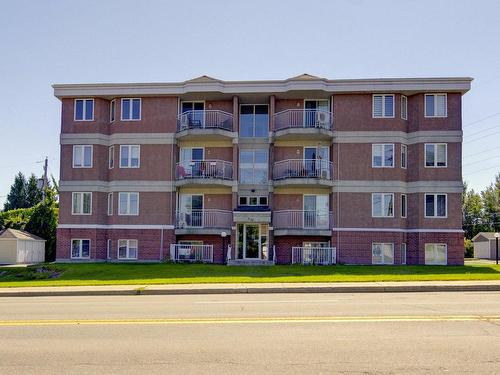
x: 391, y: 186
x: 397, y: 230
x: 117, y: 186
x: 118, y: 138
x: 113, y: 226
x: 423, y: 136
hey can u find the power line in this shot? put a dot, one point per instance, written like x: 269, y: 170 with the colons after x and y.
x: 484, y: 136
x: 484, y: 130
x: 480, y: 161
x: 484, y: 169
x: 482, y: 119
x: 478, y: 153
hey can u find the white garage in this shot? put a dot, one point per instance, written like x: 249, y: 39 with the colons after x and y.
x: 484, y: 245
x: 18, y: 247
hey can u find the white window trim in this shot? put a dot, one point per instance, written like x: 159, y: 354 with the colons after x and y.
x: 128, y: 249
x: 404, y: 99
x: 435, y: 206
x: 71, y: 248
x: 404, y: 147
x: 382, y: 244
x: 131, y: 111
x: 435, y: 105
x: 404, y: 250
x: 75, y: 147
x: 84, y: 109
x: 110, y: 204
x: 111, y: 114
x: 435, y: 155
x: 383, y: 158
x: 111, y: 156
x: 383, y: 105
x: 405, y: 213
x: 128, y: 204
x: 81, y: 203
x: 129, y: 161
x: 383, y: 205
x: 437, y: 244
x: 108, y: 248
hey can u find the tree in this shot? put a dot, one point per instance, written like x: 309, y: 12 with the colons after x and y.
x: 17, y: 194
x: 491, y: 201
x: 472, y: 209
x: 33, y: 192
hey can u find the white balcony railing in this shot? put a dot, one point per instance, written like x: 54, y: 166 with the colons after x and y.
x: 314, y: 255
x: 191, y: 253
x: 303, y: 118
x: 302, y: 219
x: 204, y: 169
x: 303, y: 168
x: 203, y: 219
x: 205, y: 119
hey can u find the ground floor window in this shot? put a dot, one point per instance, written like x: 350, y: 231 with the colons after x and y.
x: 435, y: 253
x: 127, y: 249
x: 382, y: 253
x: 403, y: 253
x: 80, y: 249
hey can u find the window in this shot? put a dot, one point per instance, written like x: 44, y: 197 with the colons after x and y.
x: 316, y: 212
x: 131, y: 109
x: 404, y: 205
x: 80, y: 249
x: 110, y: 204
x: 128, y: 204
x: 436, y: 155
x: 382, y: 205
x: 435, y: 205
x: 82, y: 156
x: 82, y: 204
x: 254, y: 120
x: 403, y: 253
x: 84, y: 109
x: 315, y: 244
x: 383, y: 155
x: 404, y: 156
x: 404, y: 107
x: 382, y: 253
x: 129, y: 156
x: 436, y: 253
x: 112, y: 110
x: 190, y: 211
x: 127, y: 249
x: 435, y: 105
x: 317, y: 113
x: 252, y: 201
x: 111, y: 157
x: 383, y: 106
x: 109, y: 249
x: 253, y: 166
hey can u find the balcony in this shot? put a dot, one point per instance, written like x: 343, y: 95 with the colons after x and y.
x: 296, y: 124
x: 302, y: 223
x: 204, y: 172
x: 191, y: 253
x: 209, y: 221
x: 303, y: 172
x: 314, y: 255
x: 205, y: 124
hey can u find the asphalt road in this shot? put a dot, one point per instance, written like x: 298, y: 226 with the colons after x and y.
x: 416, y: 333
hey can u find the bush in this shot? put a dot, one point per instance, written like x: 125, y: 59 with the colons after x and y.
x: 469, y: 248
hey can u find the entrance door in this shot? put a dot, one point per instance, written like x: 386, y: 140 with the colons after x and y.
x: 252, y: 246
x: 252, y: 241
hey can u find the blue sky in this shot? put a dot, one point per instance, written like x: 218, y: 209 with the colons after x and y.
x: 45, y: 42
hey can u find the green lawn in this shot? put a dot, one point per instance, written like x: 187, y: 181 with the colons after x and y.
x: 114, y: 274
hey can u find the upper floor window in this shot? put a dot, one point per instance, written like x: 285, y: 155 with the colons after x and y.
x: 382, y: 205
x: 436, y: 155
x: 383, y: 155
x: 130, y: 156
x: 383, y: 105
x: 435, y: 105
x: 404, y: 107
x: 112, y: 110
x: 404, y: 205
x: 80, y: 249
x: 131, y: 109
x: 111, y: 157
x: 81, y: 203
x: 128, y: 204
x: 110, y: 204
x: 84, y: 109
x: 253, y: 166
x: 404, y: 156
x: 82, y: 156
x: 435, y: 205
x: 254, y: 120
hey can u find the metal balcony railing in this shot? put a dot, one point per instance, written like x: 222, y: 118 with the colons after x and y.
x: 205, y: 169
x: 205, y: 119
x: 211, y: 218
x: 303, y: 168
x: 303, y: 118
x: 191, y: 253
x: 302, y: 219
x: 314, y: 255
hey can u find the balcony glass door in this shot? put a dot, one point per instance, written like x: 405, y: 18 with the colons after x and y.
x: 316, y: 211
x: 195, y: 113
x: 190, y: 159
x: 312, y: 107
x: 191, y: 210
x: 316, y: 161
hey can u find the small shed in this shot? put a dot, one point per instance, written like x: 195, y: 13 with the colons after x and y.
x: 484, y: 245
x: 17, y: 246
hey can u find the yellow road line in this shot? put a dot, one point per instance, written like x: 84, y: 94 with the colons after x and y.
x: 254, y: 320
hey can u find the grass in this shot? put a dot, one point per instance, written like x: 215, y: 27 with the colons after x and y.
x: 123, y: 274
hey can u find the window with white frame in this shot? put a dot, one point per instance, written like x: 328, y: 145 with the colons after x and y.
x: 80, y: 249
x: 130, y: 156
x: 382, y: 205
x: 404, y: 156
x: 109, y: 249
x: 112, y: 110
x: 404, y: 205
x: 253, y: 166
x: 127, y: 249
x: 436, y: 155
x: 382, y: 253
x: 131, y: 109
x: 435, y: 205
x: 84, y: 110
x: 404, y: 107
x: 128, y: 204
x: 435, y: 105
x: 252, y: 201
x: 436, y: 253
x: 403, y: 253
x: 383, y: 106
x: 383, y: 155
x: 81, y: 203
x: 254, y: 120
x: 110, y: 204
x: 82, y: 156
x: 111, y: 157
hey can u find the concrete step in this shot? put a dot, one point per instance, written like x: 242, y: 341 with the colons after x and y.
x: 250, y: 262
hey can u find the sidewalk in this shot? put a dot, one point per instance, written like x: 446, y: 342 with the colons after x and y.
x: 179, y: 289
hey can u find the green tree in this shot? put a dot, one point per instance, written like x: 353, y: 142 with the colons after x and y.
x: 17, y: 194
x: 472, y: 209
x: 33, y: 192
x: 491, y: 202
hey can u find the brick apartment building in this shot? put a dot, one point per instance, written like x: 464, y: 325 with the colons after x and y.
x: 302, y: 170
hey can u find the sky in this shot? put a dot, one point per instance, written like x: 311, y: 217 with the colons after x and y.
x: 45, y: 42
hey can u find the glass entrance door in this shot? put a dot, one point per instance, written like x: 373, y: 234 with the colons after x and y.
x: 252, y: 241
x: 251, y: 250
